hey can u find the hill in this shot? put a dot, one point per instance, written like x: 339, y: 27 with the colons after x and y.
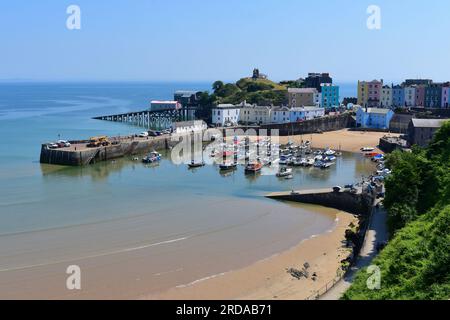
x: 416, y: 262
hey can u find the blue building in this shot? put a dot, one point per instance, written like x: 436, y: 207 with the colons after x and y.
x: 374, y: 118
x: 398, y: 96
x: 330, y: 96
x: 433, y: 95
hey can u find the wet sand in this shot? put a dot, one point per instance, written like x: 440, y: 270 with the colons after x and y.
x: 133, y: 257
x: 268, y: 279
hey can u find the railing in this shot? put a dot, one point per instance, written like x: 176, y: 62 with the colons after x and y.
x: 327, y: 287
x: 341, y: 274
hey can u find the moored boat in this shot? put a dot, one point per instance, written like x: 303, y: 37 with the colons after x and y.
x: 152, y: 157
x: 194, y: 164
x: 253, y: 168
x: 228, y: 166
x: 284, y: 172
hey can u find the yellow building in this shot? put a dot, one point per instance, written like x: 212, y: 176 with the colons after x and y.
x: 363, y: 92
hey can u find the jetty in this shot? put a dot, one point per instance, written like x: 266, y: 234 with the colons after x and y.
x: 356, y: 203
x: 161, y: 119
x: 80, y: 154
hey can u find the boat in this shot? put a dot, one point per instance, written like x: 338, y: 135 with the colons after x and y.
x: 329, y: 152
x: 367, y: 149
x: 228, y: 166
x: 253, y: 168
x: 194, y: 164
x: 371, y: 154
x: 288, y: 177
x: 298, y: 162
x: 330, y: 158
x: 310, y: 162
x: 152, y: 157
x: 318, y: 158
x: 318, y: 164
x: 284, y: 172
x: 325, y: 165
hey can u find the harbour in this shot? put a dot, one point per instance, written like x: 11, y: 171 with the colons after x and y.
x: 174, y: 225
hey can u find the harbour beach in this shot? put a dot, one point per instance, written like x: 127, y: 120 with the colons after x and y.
x: 268, y: 279
x: 345, y: 140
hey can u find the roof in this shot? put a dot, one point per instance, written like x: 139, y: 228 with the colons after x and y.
x: 428, y: 123
x: 188, y: 123
x: 302, y: 90
x: 164, y: 101
x: 377, y: 110
x: 405, y: 118
x: 185, y: 93
x: 308, y: 108
x: 226, y: 106
x: 280, y: 109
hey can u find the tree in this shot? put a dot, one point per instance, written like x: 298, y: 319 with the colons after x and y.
x: 217, y: 85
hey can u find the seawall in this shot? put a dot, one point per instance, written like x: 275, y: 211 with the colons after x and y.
x: 79, y: 155
x: 329, y: 123
x: 356, y: 203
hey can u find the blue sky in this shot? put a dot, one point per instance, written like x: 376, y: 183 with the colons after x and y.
x: 197, y: 40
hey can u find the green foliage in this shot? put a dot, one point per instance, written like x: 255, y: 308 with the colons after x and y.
x: 254, y: 91
x: 416, y: 262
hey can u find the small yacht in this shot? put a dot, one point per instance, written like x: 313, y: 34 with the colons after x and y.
x: 325, y: 165
x: 152, y: 157
x: 228, y: 166
x: 194, y: 164
x: 284, y: 172
x: 310, y: 162
x: 253, y: 168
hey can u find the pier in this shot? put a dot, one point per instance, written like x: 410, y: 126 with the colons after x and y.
x: 357, y: 203
x: 161, y: 119
x: 79, y: 154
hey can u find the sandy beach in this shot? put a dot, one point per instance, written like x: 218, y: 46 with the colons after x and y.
x: 269, y: 279
x: 346, y: 140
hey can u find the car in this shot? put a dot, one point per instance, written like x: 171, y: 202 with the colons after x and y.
x: 63, y: 143
x: 143, y: 134
x: 53, y: 145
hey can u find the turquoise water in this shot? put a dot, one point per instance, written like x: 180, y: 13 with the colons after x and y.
x: 180, y: 218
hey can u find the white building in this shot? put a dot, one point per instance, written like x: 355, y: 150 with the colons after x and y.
x: 281, y: 115
x: 226, y: 115
x: 189, y: 126
x: 386, y: 97
x: 253, y: 114
x: 305, y: 113
x: 159, y: 105
x: 410, y: 96
x: 318, y: 99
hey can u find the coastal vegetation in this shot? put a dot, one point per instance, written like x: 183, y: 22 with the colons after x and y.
x: 259, y: 91
x: 416, y: 262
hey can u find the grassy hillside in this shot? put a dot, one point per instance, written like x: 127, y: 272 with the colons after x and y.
x: 416, y: 262
x: 259, y: 91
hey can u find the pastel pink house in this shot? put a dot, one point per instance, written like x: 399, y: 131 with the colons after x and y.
x: 420, y: 96
x: 374, y: 88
